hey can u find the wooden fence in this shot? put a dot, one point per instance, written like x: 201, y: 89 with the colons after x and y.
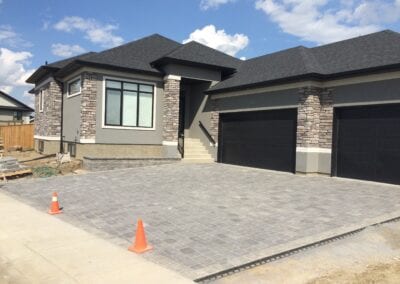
x: 18, y: 136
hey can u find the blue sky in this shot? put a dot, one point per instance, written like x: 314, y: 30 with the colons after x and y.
x: 32, y: 32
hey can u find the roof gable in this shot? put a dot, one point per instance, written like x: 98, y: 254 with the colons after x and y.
x: 136, y: 55
x: 194, y: 52
x: 9, y: 102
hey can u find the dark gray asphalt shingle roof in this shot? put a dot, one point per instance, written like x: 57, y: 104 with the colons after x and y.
x: 136, y: 55
x: 65, y: 62
x: 376, y: 50
x: 198, y: 53
x: 361, y: 53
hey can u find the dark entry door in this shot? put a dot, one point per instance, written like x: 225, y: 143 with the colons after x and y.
x: 262, y: 139
x: 368, y: 143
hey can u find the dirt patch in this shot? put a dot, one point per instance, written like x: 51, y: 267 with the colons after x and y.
x: 380, y: 273
x: 371, y: 256
x: 44, y: 165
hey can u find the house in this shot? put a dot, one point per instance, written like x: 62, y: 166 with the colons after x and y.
x: 12, y: 110
x: 332, y: 109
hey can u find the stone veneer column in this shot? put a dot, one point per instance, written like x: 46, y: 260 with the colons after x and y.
x: 214, y: 121
x: 88, y: 107
x: 314, y: 130
x: 308, y: 117
x: 326, y: 119
x: 48, y: 122
x: 171, y: 109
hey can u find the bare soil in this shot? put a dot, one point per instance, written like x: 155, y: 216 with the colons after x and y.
x: 44, y: 163
x: 371, y: 256
x: 378, y: 273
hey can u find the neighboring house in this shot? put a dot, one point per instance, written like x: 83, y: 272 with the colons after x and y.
x: 12, y: 110
x: 332, y: 109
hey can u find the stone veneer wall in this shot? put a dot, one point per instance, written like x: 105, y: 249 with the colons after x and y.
x: 88, y: 105
x: 315, y: 118
x: 106, y: 164
x: 48, y: 122
x: 214, y: 121
x: 171, y: 110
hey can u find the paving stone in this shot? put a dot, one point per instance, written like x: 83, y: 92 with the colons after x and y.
x: 202, y: 218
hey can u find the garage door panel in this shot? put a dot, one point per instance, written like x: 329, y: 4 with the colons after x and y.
x: 263, y: 139
x: 368, y: 143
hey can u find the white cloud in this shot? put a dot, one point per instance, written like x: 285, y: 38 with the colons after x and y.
x: 316, y: 20
x: 29, y: 99
x: 13, y: 72
x: 10, y: 38
x: 219, y: 39
x: 66, y: 50
x: 94, y: 31
x: 213, y: 4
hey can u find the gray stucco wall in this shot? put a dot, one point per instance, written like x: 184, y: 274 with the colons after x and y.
x: 193, y: 72
x: 126, y: 135
x: 198, y: 109
x: 271, y: 100
x: 71, y: 116
x: 6, y: 115
x: 367, y: 93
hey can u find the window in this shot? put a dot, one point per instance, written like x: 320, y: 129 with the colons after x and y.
x: 72, y: 149
x: 17, y: 115
x: 41, y: 146
x: 129, y: 104
x: 41, y: 100
x: 74, y: 87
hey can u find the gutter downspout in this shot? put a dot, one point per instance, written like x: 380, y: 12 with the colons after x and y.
x: 62, y: 116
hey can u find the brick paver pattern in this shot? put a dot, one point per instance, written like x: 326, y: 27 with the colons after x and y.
x: 203, y: 218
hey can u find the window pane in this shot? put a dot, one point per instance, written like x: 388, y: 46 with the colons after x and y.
x: 129, y: 86
x: 129, y: 108
x: 113, y: 107
x: 145, y: 110
x: 146, y: 88
x: 74, y: 87
x: 113, y: 84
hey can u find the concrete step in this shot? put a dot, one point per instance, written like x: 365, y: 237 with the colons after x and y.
x: 201, y: 157
x: 197, y: 160
x: 197, y: 153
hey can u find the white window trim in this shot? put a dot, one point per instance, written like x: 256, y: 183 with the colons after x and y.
x: 41, y: 100
x: 103, y: 103
x: 80, y: 87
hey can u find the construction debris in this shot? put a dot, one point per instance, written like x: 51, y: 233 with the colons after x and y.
x: 9, y: 167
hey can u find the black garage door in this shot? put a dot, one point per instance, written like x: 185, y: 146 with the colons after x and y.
x: 368, y: 143
x: 262, y: 139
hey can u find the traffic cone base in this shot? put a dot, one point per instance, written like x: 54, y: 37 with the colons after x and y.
x: 142, y: 250
x: 54, y: 212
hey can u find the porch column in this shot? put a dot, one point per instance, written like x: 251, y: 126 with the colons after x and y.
x: 88, y: 108
x: 314, y: 130
x: 171, y: 115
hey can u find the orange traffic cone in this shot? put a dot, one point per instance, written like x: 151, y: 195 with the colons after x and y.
x: 54, y: 207
x: 140, y: 244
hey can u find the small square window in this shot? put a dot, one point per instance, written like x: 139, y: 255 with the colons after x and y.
x: 72, y: 149
x: 74, y: 87
x: 41, y: 146
x: 17, y: 115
